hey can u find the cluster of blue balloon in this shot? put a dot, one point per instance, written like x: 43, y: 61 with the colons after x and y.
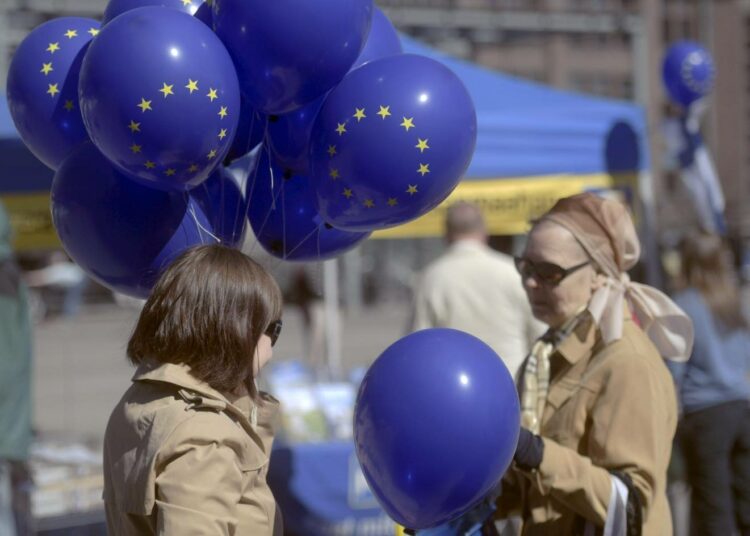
x: 347, y: 134
x: 436, y: 424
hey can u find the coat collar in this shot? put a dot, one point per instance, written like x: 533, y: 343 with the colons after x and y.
x: 177, y: 374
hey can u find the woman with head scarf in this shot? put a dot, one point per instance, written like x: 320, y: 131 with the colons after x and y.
x: 599, y: 409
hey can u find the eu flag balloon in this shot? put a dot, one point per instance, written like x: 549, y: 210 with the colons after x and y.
x: 160, y: 96
x: 283, y: 217
x: 391, y: 142
x: 118, y: 7
x: 43, y: 87
x: 121, y: 232
x: 289, y: 53
x: 382, y: 40
x: 436, y: 424
x: 688, y: 72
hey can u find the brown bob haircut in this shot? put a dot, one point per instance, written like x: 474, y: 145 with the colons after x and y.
x: 208, y: 310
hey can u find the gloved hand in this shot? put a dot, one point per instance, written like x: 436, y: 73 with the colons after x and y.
x: 529, y: 451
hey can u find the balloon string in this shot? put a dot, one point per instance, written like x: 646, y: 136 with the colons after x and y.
x: 244, y: 200
x: 191, y: 210
x: 256, y: 163
x: 299, y: 244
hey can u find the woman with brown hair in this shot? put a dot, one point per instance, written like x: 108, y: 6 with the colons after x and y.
x: 186, y: 450
x: 714, y: 390
x: 598, y: 407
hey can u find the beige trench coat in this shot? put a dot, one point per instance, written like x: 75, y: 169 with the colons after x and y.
x: 609, y: 408
x: 180, y: 458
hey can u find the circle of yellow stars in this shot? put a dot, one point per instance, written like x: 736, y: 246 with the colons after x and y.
x: 53, y: 88
x: 384, y: 113
x: 168, y: 90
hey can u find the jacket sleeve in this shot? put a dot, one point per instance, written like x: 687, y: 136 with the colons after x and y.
x: 198, y: 484
x: 631, y: 431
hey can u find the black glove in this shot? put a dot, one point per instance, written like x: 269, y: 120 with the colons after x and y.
x: 530, y: 451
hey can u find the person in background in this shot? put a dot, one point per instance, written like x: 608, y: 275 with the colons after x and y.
x: 187, y: 448
x: 476, y: 289
x: 15, y: 392
x: 598, y: 406
x: 714, y: 390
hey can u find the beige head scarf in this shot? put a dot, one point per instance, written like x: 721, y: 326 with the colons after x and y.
x: 605, y: 230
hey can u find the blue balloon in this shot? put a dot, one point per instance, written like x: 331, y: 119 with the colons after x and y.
x: 250, y: 131
x: 118, y: 7
x: 160, y: 96
x: 43, y: 87
x: 382, y: 41
x: 284, y: 219
x: 221, y: 199
x: 122, y: 233
x: 289, y: 137
x: 205, y: 14
x: 436, y: 424
x: 290, y: 53
x: 391, y: 142
x: 689, y: 72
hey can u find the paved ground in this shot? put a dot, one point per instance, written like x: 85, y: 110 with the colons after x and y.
x: 81, y: 370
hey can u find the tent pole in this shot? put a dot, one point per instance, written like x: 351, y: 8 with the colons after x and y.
x: 332, y: 319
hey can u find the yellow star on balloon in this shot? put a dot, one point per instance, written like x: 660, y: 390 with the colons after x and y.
x: 149, y: 164
x: 211, y: 154
x: 369, y: 203
x: 407, y: 123
x: 70, y: 34
x: 52, y: 90
x: 68, y: 105
x: 167, y: 89
x: 412, y: 189
x: 144, y: 105
x: 93, y: 31
x: 53, y: 47
x: 347, y: 193
x: 359, y: 114
x: 192, y: 85
x: 385, y: 111
x: 334, y: 173
x: 170, y: 172
x: 134, y: 127
x: 392, y: 201
x: 212, y: 94
x: 223, y: 112
x: 135, y: 148
x: 186, y: 2
x: 341, y: 128
x: 46, y: 68
x: 222, y: 133
x: 193, y: 168
x: 331, y: 150
x: 424, y: 169
x: 422, y: 145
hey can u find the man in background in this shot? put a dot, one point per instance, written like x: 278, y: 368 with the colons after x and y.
x: 475, y: 289
x: 15, y: 392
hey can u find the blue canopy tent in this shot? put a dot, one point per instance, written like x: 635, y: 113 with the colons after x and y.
x: 534, y: 145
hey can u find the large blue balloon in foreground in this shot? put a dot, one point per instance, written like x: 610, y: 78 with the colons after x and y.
x: 122, y: 233
x: 160, y: 97
x: 289, y: 53
x: 688, y: 72
x: 285, y: 221
x: 391, y: 142
x: 435, y: 426
x: 43, y: 87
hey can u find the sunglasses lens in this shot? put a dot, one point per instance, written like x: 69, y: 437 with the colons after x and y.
x: 549, y: 273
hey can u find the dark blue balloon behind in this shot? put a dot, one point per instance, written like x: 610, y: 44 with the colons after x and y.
x: 290, y: 53
x: 688, y: 72
x: 118, y: 7
x: 382, y: 40
x: 160, y: 97
x: 43, y: 87
x: 251, y: 129
x: 221, y: 199
x: 391, y: 142
x: 285, y: 221
x: 122, y: 233
x: 436, y: 424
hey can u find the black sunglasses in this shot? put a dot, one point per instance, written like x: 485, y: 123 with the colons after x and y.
x: 545, y: 272
x: 274, y: 330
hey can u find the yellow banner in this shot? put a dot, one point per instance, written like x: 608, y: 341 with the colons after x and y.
x: 507, y: 204
x: 31, y: 220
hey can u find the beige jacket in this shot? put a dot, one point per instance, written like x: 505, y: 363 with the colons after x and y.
x: 609, y: 408
x: 478, y: 290
x: 180, y: 458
